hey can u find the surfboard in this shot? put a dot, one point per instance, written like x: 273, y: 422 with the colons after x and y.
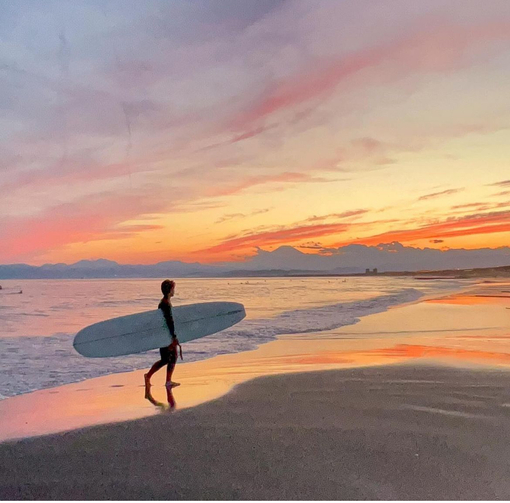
x: 140, y: 332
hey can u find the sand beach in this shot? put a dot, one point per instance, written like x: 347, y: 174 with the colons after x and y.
x: 411, y: 403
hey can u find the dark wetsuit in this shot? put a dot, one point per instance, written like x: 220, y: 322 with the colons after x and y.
x: 168, y: 355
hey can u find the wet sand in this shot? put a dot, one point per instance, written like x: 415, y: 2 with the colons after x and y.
x: 398, y: 432
x: 427, y: 417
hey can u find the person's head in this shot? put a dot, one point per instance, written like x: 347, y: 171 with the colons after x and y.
x: 168, y: 288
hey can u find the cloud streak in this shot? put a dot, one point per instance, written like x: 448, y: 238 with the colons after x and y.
x: 504, y: 183
x: 235, y: 216
x: 275, y: 237
x: 469, y: 225
x: 419, y: 52
x: 248, y: 183
x: 448, y: 192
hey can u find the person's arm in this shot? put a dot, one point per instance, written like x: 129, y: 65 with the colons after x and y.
x: 167, y: 313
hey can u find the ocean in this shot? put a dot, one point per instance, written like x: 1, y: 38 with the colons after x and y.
x: 37, y: 326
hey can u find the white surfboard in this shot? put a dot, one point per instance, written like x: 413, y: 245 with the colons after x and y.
x: 140, y: 332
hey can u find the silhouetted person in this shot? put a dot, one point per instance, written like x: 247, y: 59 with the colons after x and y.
x: 168, y: 353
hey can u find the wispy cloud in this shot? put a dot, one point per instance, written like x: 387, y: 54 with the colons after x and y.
x: 280, y: 237
x: 352, y: 214
x: 480, y: 207
x: 420, y: 52
x: 476, y: 224
x: 504, y: 183
x: 252, y: 181
x: 503, y: 193
x: 234, y: 216
x: 439, y: 194
x: 471, y: 206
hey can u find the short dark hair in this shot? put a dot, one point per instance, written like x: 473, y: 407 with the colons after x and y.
x: 166, y: 286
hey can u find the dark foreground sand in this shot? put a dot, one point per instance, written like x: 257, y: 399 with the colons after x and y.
x: 396, y: 432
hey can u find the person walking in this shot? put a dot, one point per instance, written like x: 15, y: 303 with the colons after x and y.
x: 168, y: 353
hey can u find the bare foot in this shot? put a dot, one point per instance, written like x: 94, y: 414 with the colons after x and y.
x: 172, y: 384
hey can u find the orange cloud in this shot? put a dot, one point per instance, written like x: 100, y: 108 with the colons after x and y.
x: 463, y: 226
x: 279, y: 236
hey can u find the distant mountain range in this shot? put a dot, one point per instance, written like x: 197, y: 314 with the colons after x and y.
x: 108, y: 269
x: 284, y: 261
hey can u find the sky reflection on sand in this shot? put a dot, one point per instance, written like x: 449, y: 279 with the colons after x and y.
x: 459, y: 330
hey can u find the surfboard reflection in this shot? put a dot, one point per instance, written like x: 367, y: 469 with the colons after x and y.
x: 163, y: 406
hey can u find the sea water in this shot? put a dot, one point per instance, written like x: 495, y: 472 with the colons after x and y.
x: 37, y: 326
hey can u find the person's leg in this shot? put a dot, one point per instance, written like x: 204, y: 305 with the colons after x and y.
x: 169, y: 371
x: 159, y: 364
x: 172, y: 360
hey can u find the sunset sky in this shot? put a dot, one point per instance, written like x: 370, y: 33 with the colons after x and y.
x: 200, y: 131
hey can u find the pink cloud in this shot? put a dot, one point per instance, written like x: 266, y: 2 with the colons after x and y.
x: 439, y: 48
x: 91, y: 218
x: 67, y: 171
x: 253, y: 181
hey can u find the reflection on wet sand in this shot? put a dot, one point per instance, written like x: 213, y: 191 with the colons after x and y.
x: 170, y: 405
x: 473, y: 300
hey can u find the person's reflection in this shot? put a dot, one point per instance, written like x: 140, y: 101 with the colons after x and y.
x: 170, y: 397
x: 163, y: 406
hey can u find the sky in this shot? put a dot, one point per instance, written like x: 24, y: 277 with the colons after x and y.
x: 213, y: 131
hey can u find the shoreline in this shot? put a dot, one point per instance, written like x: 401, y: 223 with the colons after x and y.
x: 21, y: 341
x: 378, y: 339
